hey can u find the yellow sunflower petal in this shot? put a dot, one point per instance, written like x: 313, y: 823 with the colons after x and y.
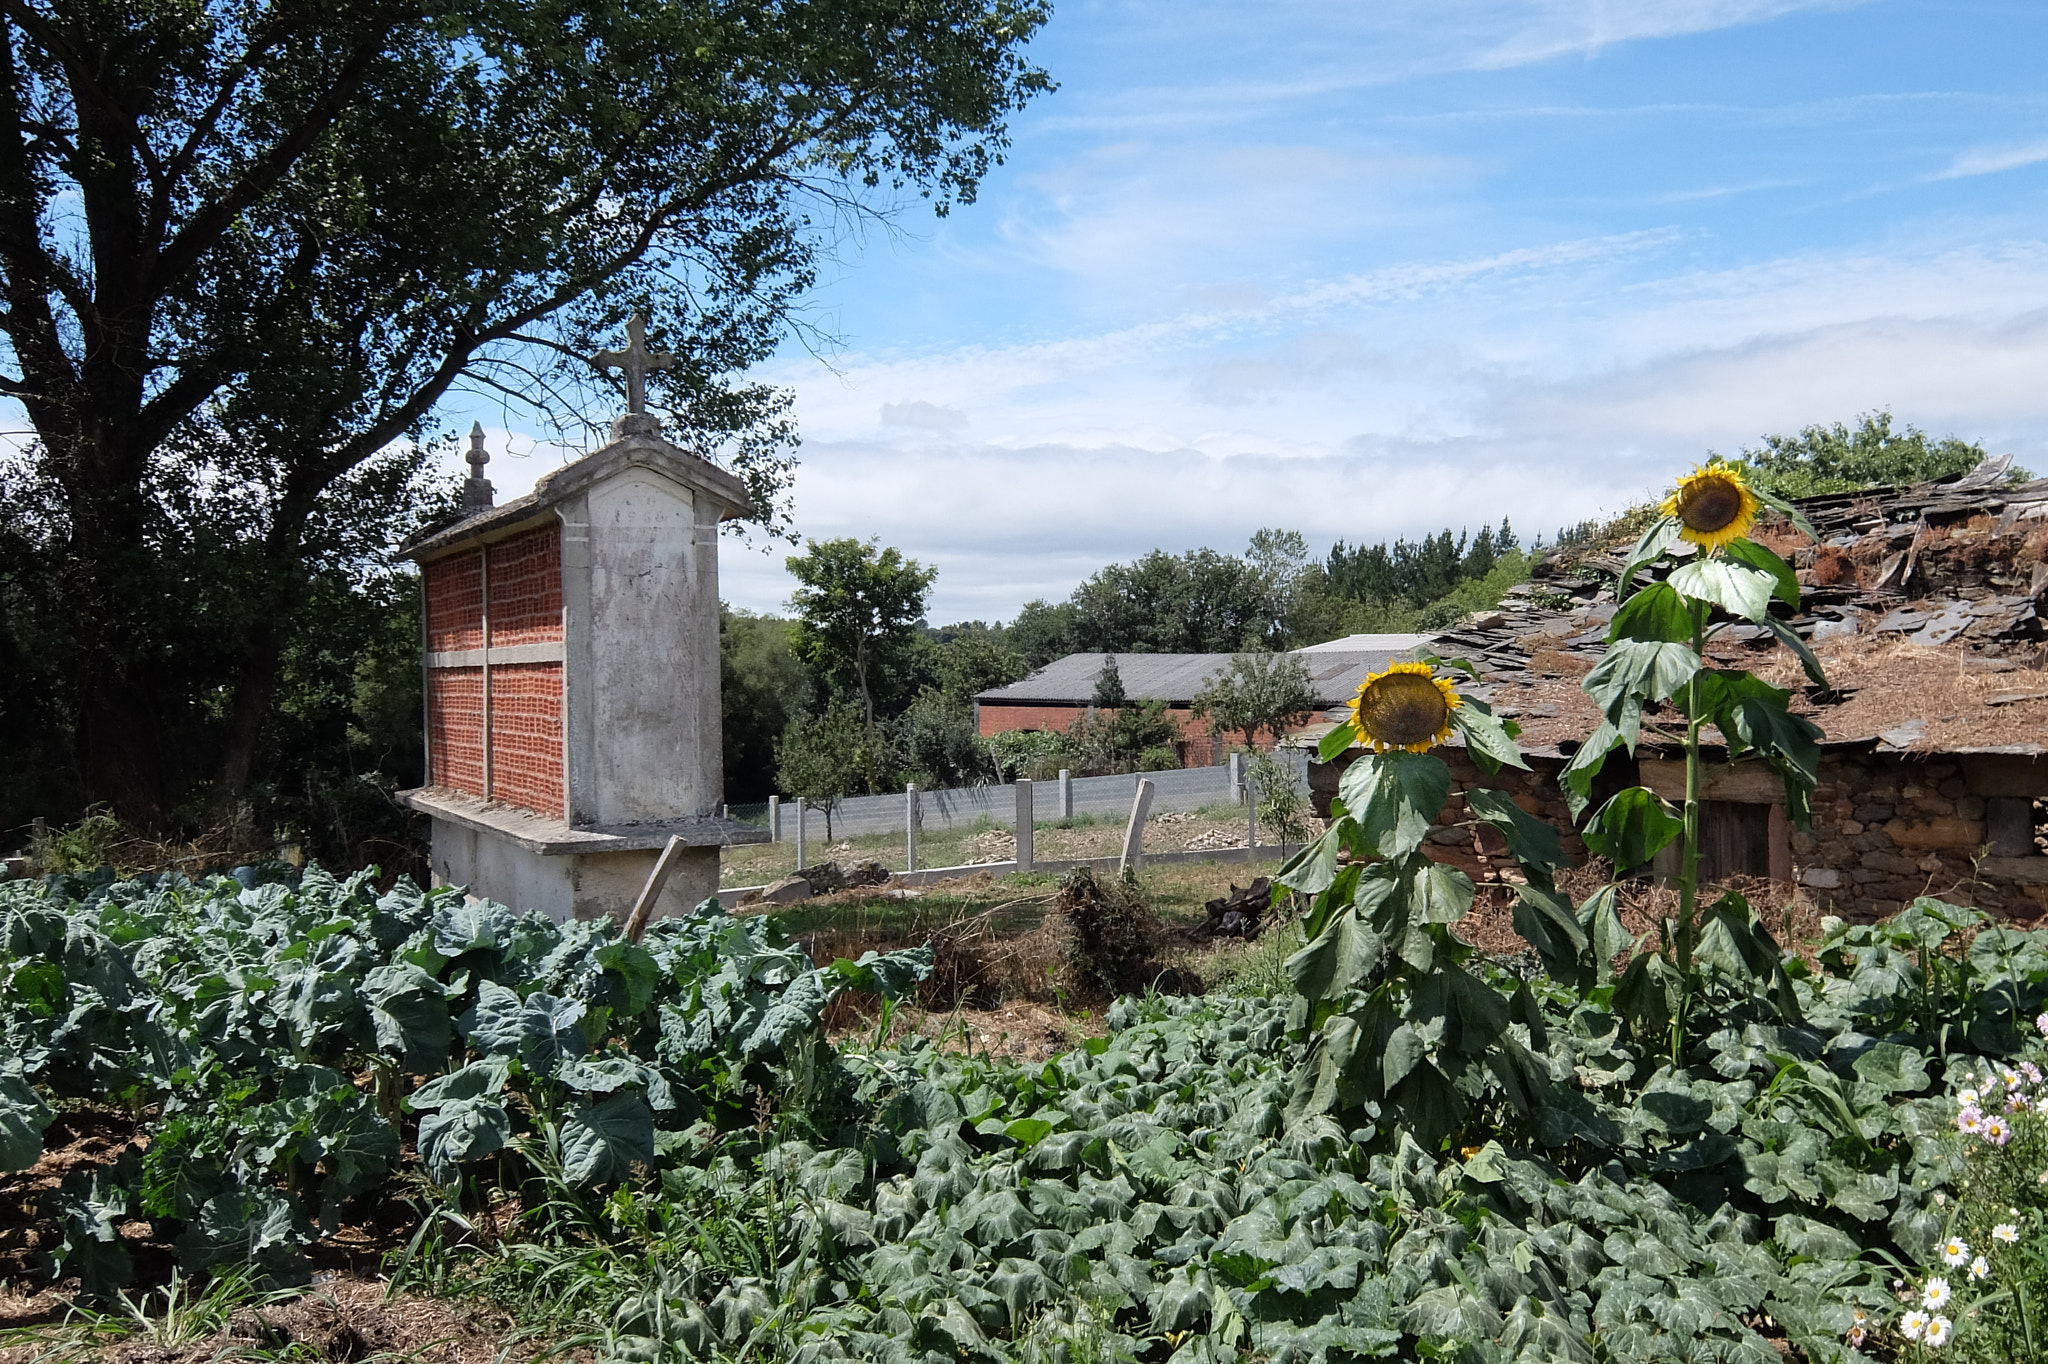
x: 1406, y: 707
x: 1713, y: 505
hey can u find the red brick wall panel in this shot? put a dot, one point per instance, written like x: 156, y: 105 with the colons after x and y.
x: 526, y: 588
x: 455, y: 728
x: 455, y: 603
x: 1199, y: 747
x: 526, y: 736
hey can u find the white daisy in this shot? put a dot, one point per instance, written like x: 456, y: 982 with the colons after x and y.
x: 1980, y: 1268
x: 1968, y: 1097
x: 1912, y: 1324
x: 2006, y: 1232
x: 1955, y: 1251
x: 1938, y: 1331
x: 1936, y: 1294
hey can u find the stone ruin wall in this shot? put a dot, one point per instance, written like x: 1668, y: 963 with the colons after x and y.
x: 1887, y: 827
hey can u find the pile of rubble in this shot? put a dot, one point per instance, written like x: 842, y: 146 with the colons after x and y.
x: 1958, y: 565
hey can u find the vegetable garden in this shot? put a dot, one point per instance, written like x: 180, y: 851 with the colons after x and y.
x: 1698, y: 1146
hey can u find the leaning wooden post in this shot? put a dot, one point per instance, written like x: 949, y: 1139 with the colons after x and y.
x: 1026, y: 817
x: 643, y: 908
x: 1134, y: 835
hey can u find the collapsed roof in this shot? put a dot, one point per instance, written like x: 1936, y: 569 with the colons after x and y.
x: 1923, y: 604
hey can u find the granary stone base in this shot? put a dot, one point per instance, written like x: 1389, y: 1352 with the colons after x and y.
x: 565, y: 886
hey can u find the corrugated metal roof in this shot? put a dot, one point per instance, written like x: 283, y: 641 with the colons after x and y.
x: 1369, y: 644
x: 1175, y: 678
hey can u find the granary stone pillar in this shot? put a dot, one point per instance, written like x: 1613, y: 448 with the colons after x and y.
x: 572, y: 683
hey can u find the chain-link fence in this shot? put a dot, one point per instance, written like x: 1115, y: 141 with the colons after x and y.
x: 1191, y: 788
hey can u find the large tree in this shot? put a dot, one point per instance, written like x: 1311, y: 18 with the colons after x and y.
x: 248, y: 247
x: 858, y: 608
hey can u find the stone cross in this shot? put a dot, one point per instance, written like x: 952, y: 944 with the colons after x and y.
x: 477, y: 492
x: 636, y: 360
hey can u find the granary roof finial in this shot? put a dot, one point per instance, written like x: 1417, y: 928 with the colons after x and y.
x: 477, y: 492
x: 636, y: 361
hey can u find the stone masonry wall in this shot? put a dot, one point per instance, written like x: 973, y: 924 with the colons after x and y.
x: 1887, y: 828
x: 1480, y: 853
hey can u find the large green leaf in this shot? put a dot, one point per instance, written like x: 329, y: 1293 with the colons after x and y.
x: 23, y: 1116
x: 89, y: 1208
x: 1634, y: 673
x: 1314, y: 867
x: 636, y: 972
x: 1600, y: 916
x: 1661, y: 536
x: 1341, y: 957
x: 1657, y: 614
x: 540, y: 1029
x: 1440, y: 894
x: 602, y: 1141
x: 409, y: 1012
x: 470, y: 925
x: 1577, y: 778
x: 1336, y: 741
x: 462, y: 1129
x: 1791, y: 640
x: 1736, y: 588
x: 1533, y: 842
x: 1395, y: 798
x: 893, y: 975
x: 1647, y: 996
x: 1631, y: 828
x: 1545, y: 920
x: 1489, y: 740
x: 1784, y: 582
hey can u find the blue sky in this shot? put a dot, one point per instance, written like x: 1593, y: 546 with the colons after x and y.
x: 1365, y: 270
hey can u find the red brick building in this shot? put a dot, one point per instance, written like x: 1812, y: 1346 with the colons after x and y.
x: 1059, y: 694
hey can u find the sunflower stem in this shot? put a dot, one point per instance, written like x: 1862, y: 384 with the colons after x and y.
x: 1689, y: 865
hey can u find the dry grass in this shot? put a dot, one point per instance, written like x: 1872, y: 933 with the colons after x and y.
x: 343, y: 1320
x: 1791, y: 916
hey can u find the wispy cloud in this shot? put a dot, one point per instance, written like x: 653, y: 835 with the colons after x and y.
x: 1559, y: 28
x: 1992, y: 160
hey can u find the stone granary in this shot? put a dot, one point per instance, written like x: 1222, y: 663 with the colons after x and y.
x: 1924, y: 605
x: 572, y: 684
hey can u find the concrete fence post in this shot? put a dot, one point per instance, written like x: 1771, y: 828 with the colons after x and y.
x: 799, y: 833
x: 1251, y: 818
x: 1066, y: 794
x: 1237, y: 777
x: 775, y: 819
x: 1134, y: 832
x: 1026, y: 823
x: 910, y: 826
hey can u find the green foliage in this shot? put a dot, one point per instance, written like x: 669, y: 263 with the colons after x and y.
x: 858, y: 608
x: 936, y: 743
x: 1281, y: 809
x: 235, y: 1014
x: 1258, y: 694
x: 1109, y: 691
x: 824, y: 757
x: 1840, y: 458
x: 762, y: 687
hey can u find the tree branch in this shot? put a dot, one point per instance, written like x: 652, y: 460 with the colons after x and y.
x: 208, y: 224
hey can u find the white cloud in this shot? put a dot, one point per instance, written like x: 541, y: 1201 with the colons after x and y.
x: 1549, y: 29
x: 1538, y: 384
x: 1992, y: 160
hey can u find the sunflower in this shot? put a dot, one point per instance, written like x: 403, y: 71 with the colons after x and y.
x: 1713, y: 505
x: 1405, y: 707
